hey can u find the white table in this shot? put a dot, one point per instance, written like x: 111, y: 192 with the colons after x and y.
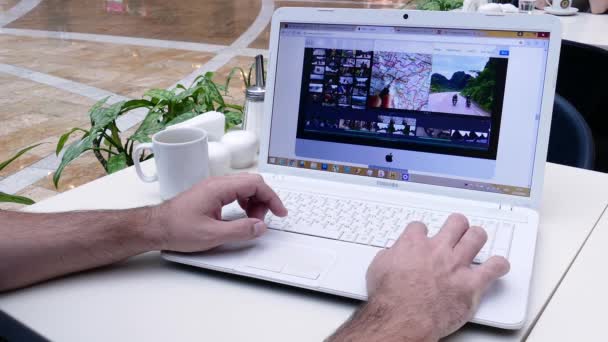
x: 147, y: 299
x: 577, y: 311
x: 586, y: 28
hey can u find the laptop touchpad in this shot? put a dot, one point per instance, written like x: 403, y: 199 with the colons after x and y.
x: 289, y: 259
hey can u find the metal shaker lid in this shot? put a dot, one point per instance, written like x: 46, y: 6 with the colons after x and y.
x: 257, y: 91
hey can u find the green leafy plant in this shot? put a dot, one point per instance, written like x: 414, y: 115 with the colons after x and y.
x: 165, y: 108
x: 4, y: 197
x: 246, y: 76
x: 481, y: 88
x: 438, y: 5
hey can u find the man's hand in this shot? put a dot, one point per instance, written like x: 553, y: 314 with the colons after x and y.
x: 192, y: 221
x: 424, y: 289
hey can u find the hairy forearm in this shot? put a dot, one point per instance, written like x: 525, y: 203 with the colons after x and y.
x: 36, y: 247
x: 377, y: 320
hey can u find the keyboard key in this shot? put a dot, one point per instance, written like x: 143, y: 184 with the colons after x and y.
x: 316, y: 230
x: 491, y: 233
x: 379, y: 241
x: 481, y: 257
x: 395, y: 233
x: 503, y: 238
x: 348, y: 236
x: 501, y: 252
x: 433, y: 230
x: 364, y: 239
x: 275, y: 223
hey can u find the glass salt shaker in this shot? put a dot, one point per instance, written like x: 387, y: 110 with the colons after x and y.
x: 254, y: 100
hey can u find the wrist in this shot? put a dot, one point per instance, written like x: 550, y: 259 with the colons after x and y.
x: 400, y: 324
x: 151, y: 226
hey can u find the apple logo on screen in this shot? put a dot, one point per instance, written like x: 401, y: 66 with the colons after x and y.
x: 389, y: 158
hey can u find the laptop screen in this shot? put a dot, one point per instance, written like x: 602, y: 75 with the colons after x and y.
x: 446, y: 107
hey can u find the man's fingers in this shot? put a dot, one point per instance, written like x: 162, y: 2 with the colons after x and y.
x: 247, y: 186
x: 488, y: 272
x: 415, y: 231
x: 470, y: 244
x: 243, y: 202
x: 256, y: 210
x: 453, y: 230
x: 238, y: 230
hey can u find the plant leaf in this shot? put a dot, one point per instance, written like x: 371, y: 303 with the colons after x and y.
x: 233, y: 119
x: 107, y: 143
x: 71, y: 153
x: 197, y: 80
x: 182, y: 108
x: 202, y: 108
x: 248, y: 80
x: 233, y: 106
x: 17, y: 155
x: 116, y: 163
x: 231, y: 74
x: 134, y: 104
x: 161, y: 94
x: 98, y: 106
x: 64, y: 138
x: 102, y: 118
x: 216, y: 95
x: 149, y: 126
x: 439, y: 5
x: 116, y: 137
x: 185, y: 94
x: 4, y: 197
x: 182, y: 118
x: 223, y: 89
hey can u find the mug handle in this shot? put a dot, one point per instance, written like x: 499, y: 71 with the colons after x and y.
x: 548, y: 2
x: 136, y: 155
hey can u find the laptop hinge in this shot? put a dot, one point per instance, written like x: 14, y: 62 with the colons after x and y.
x: 505, y: 207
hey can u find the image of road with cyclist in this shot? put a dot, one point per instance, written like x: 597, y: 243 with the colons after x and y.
x: 463, y: 85
x: 454, y: 102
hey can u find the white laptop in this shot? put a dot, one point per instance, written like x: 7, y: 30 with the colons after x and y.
x: 376, y: 118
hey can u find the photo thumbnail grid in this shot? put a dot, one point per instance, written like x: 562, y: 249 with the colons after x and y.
x: 340, y: 77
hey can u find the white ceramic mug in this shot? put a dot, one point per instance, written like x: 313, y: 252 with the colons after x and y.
x: 181, y: 156
x: 560, y: 5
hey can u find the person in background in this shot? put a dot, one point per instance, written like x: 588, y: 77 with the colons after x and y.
x: 420, y: 289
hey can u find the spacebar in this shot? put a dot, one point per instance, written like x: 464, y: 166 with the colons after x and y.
x: 315, y: 230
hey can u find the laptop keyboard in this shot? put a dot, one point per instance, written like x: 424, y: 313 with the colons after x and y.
x: 371, y: 223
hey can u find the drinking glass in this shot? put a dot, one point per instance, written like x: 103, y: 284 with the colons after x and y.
x: 526, y: 6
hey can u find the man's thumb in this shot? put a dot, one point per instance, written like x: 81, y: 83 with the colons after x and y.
x: 241, y: 230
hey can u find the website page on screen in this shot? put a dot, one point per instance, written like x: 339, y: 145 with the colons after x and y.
x: 447, y: 107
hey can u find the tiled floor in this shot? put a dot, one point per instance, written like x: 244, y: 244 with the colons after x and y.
x: 5, y: 5
x: 208, y: 21
x: 32, y: 113
x: 122, y: 69
x: 117, y: 47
